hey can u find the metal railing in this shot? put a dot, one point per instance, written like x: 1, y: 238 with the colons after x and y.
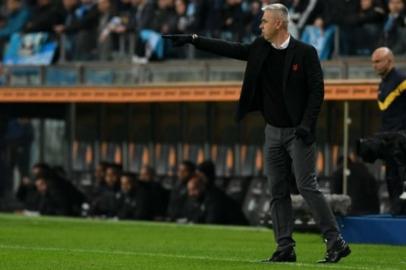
x: 111, y: 73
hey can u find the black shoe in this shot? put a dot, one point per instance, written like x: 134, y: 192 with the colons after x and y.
x: 338, y: 250
x: 286, y: 255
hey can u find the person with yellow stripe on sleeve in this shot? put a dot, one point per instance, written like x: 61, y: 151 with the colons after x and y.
x: 392, y: 104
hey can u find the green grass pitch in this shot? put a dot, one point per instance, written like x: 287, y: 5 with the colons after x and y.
x: 42, y: 243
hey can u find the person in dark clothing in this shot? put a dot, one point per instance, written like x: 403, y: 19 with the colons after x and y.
x: 394, y: 29
x: 57, y: 182
x: 194, y: 208
x: 126, y: 198
x: 145, y: 194
x: 50, y: 200
x: 105, y: 204
x: 70, y: 17
x: 72, y: 195
x: 283, y: 80
x: 40, y: 169
x: 368, y: 25
x: 142, y: 16
x: 362, y: 187
x: 27, y: 194
x: 341, y: 13
x: 183, y: 20
x: 107, y: 23
x: 80, y: 27
x: 218, y: 207
x: 305, y: 12
x: 44, y: 16
x: 164, y: 19
x: 99, y: 182
x: 392, y: 104
x: 159, y: 196
x: 178, y: 195
x: 232, y: 20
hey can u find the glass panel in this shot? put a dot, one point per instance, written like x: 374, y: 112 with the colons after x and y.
x: 55, y: 142
x: 62, y: 76
x: 29, y: 76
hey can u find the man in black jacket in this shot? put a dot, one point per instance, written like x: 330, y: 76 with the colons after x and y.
x: 283, y: 79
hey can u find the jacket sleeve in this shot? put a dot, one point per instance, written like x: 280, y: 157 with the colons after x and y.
x: 315, y: 86
x: 234, y: 50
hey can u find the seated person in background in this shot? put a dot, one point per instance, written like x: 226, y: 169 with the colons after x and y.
x: 159, y: 195
x: 98, y: 181
x: 219, y: 208
x: 126, y: 200
x: 50, y: 201
x: 194, y: 208
x: 72, y: 195
x: 105, y: 203
x: 362, y: 187
x: 27, y: 191
x: 178, y: 196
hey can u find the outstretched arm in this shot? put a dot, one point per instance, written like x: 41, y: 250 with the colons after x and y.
x: 234, y: 50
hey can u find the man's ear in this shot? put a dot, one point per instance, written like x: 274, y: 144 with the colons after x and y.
x: 279, y: 24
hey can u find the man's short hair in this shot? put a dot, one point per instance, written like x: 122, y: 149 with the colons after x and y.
x: 281, y: 9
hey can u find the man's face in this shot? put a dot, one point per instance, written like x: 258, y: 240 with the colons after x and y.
x: 13, y: 5
x: 125, y: 184
x: 68, y: 4
x: 183, y: 172
x: 366, y: 4
x: 194, y: 187
x: 380, y: 63
x: 35, y: 172
x: 145, y: 175
x: 271, y: 23
x: 396, y: 6
x: 180, y: 7
x: 111, y: 177
x: 99, y: 172
x: 41, y: 186
x: 103, y: 5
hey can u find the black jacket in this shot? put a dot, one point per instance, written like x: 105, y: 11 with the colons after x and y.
x: 303, y: 85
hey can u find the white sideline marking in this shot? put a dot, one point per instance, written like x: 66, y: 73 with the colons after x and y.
x: 205, y: 258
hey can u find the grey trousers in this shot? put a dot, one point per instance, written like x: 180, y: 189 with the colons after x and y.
x: 284, y: 153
